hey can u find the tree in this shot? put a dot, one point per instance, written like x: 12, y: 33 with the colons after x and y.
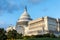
x: 12, y: 34
x: 19, y: 36
x: 2, y: 34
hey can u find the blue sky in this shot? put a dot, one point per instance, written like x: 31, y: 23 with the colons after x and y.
x: 12, y: 10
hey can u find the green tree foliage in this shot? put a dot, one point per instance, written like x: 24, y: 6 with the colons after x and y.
x: 2, y: 34
x: 41, y: 36
x: 19, y: 36
x: 13, y: 35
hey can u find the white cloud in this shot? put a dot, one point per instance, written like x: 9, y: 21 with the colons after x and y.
x: 2, y: 22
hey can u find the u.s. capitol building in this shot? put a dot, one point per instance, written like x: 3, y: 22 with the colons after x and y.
x: 27, y: 26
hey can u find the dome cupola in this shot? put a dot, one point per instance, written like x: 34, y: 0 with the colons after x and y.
x: 25, y: 18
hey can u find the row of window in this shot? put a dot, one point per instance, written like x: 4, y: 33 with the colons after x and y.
x: 52, y: 27
x: 35, y: 27
x: 37, y: 31
x: 39, y: 22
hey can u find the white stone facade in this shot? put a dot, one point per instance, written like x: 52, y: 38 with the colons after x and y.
x: 40, y: 26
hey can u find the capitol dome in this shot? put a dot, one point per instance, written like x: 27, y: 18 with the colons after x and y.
x: 24, y: 19
x: 25, y: 16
